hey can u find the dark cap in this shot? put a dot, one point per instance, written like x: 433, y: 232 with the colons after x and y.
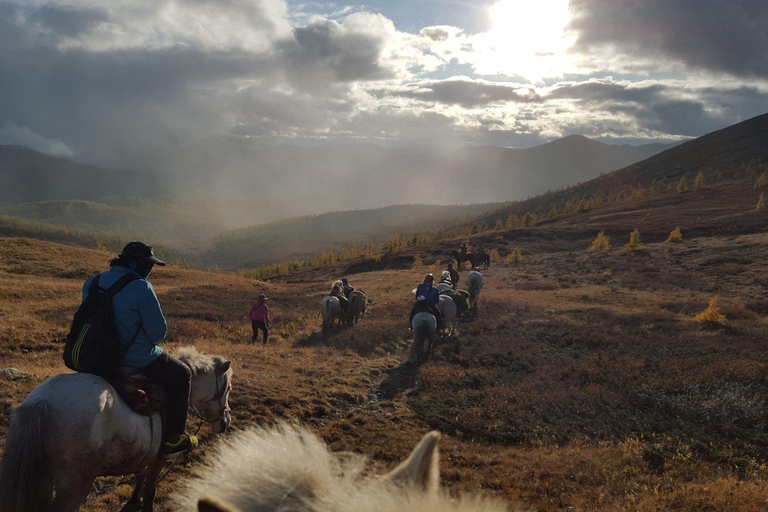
x: 141, y: 250
x: 262, y: 297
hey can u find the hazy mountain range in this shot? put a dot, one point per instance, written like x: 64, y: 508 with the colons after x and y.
x: 242, y: 185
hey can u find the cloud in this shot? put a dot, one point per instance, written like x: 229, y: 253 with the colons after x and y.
x: 464, y: 92
x: 22, y: 136
x: 714, y: 35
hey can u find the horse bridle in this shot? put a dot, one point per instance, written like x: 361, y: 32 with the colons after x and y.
x: 216, y: 398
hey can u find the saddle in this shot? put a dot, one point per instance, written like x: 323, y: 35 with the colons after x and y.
x: 138, y: 391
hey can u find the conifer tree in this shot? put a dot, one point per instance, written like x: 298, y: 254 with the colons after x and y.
x: 528, y: 220
x: 512, y: 221
x: 634, y: 241
x: 761, y: 202
x: 675, y: 236
x: 499, y: 225
x: 601, y: 243
x: 515, y: 256
x: 698, y: 184
x: 762, y: 182
x: 682, y: 186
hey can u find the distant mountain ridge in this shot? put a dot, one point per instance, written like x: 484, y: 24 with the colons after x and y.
x: 28, y: 176
x: 726, y: 150
x: 493, y: 174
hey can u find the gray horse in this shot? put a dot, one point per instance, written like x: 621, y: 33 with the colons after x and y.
x: 73, y: 428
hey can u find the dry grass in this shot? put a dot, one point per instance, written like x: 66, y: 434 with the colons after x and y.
x: 583, y: 382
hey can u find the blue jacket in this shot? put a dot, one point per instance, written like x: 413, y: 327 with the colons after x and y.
x: 136, y: 309
x: 432, y: 296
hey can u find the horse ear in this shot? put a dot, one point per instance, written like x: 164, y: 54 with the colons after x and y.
x: 420, y: 469
x: 208, y: 504
x: 224, y: 367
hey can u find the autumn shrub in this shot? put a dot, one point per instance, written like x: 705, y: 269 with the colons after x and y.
x: 698, y: 183
x: 634, y: 242
x: 762, y: 182
x: 418, y: 264
x: 711, y: 317
x: 760, y: 202
x: 601, y: 243
x: 675, y: 236
x: 514, y: 257
x: 494, y: 254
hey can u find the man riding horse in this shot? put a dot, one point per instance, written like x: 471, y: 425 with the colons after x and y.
x: 427, y: 298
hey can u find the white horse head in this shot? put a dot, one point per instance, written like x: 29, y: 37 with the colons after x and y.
x: 73, y: 428
x: 289, y: 468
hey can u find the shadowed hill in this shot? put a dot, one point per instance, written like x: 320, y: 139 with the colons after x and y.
x: 741, y: 148
x: 489, y: 173
x: 27, y: 176
x: 306, y: 237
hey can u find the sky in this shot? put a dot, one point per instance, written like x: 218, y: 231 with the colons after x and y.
x: 111, y: 82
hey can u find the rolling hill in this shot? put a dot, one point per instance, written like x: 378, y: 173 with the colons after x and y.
x: 28, y: 176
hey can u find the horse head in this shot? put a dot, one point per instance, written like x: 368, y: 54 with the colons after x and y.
x: 287, y: 467
x: 211, y: 385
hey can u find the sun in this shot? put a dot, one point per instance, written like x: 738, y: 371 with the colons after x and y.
x: 528, y: 38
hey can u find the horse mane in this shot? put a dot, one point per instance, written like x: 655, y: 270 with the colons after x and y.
x: 287, y: 467
x: 197, y: 362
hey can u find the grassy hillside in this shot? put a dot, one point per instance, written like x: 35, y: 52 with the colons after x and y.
x: 306, y: 237
x: 737, y: 152
x: 106, y: 241
x: 179, y: 222
x: 584, y: 382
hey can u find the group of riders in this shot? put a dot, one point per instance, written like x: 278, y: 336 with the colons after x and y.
x: 140, y: 327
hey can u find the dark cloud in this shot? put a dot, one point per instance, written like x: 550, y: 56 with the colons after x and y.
x: 717, y: 35
x: 325, y: 52
x: 67, y: 20
x: 602, y: 91
x: 464, y: 92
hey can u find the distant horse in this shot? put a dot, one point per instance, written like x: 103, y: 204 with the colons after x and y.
x: 484, y: 260
x: 331, y: 309
x: 474, y: 285
x: 356, y: 306
x: 461, y: 258
x: 447, y: 309
x: 287, y: 467
x: 424, y: 328
x: 73, y: 428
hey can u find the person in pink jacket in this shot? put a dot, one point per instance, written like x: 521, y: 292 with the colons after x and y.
x: 259, y: 316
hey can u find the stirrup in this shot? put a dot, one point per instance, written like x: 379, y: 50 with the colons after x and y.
x: 185, y: 444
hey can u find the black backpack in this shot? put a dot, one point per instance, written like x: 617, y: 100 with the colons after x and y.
x: 92, y: 343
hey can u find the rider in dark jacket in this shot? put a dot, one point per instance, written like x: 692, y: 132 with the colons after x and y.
x: 455, y: 278
x: 141, y: 327
x: 427, y: 298
x: 347, y: 288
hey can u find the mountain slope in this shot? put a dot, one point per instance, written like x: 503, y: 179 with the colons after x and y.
x: 27, y: 176
x: 493, y: 174
x: 741, y: 148
x: 307, y: 237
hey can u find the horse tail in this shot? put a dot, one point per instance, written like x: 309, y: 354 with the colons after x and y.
x: 24, y: 482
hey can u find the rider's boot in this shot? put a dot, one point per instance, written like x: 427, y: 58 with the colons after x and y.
x: 185, y: 444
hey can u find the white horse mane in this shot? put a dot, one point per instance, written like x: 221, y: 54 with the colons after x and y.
x: 287, y: 468
x: 197, y: 362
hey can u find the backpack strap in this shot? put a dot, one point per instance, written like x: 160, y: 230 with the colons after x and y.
x: 120, y: 284
x: 94, y: 288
